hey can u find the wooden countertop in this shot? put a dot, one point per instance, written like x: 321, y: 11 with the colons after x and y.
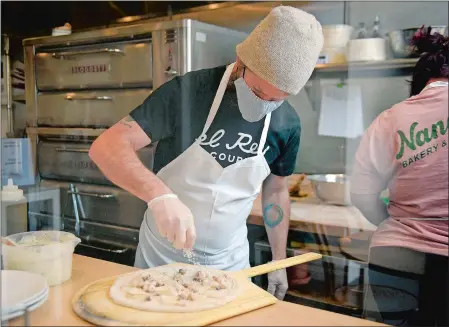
x: 57, y: 311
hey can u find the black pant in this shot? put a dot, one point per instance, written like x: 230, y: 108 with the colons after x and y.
x: 433, y: 304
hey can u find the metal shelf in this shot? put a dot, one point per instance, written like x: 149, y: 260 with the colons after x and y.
x: 392, y: 64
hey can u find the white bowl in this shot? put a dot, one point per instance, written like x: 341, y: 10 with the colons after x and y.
x: 337, y: 36
x: 373, y: 49
x: 21, y: 289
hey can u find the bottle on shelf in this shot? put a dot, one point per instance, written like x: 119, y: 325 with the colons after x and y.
x: 376, y: 28
x: 361, y: 32
x: 14, y: 210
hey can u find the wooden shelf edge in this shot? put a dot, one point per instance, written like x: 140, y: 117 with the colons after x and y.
x: 19, y: 98
x: 368, y: 65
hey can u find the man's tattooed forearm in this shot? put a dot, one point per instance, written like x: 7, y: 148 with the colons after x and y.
x: 272, y: 215
x: 126, y: 121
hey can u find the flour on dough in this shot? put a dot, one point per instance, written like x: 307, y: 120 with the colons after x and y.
x: 175, y: 288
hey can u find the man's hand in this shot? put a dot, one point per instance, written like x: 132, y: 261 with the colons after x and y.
x: 278, y: 283
x: 174, y: 220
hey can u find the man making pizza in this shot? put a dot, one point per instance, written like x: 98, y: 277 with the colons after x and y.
x: 224, y: 134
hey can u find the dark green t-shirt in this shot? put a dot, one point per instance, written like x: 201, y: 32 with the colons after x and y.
x: 174, y: 116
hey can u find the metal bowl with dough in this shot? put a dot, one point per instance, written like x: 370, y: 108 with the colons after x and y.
x: 331, y: 188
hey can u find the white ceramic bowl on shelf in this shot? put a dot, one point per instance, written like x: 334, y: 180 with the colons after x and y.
x: 337, y: 36
x: 372, y: 49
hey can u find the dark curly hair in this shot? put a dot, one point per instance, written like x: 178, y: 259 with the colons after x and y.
x: 434, y: 59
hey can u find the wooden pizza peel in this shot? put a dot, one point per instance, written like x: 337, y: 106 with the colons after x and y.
x: 93, y: 304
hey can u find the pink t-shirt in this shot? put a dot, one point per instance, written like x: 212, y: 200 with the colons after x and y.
x: 406, y: 150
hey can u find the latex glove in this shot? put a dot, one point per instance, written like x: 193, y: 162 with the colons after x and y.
x: 278, y: 283
x: 173, y: 220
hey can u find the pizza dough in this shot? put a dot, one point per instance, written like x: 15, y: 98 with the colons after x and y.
x: 175, y: 288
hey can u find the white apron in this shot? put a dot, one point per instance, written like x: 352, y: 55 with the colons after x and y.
x: 220, y: 200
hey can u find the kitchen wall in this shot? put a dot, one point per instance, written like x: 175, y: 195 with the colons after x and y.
x: 323, y: 154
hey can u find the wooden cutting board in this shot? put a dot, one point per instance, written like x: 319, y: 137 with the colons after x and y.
x: 93, y: 303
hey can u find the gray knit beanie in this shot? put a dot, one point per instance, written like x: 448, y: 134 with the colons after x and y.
x: 284, y: 48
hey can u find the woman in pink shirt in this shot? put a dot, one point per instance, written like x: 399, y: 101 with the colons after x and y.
x: 405, y: 150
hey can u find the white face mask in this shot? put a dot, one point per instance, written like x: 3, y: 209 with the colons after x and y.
x: 251, y: 106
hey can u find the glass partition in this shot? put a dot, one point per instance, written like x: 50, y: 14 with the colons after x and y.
x: 113, y: 127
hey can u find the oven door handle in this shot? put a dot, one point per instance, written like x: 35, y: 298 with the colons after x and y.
x: 72, y: 150
x: 71, y: 97
x: 95, y: 195
x: 75, y: 209
x: 118, y: 251
x: 66, y: 54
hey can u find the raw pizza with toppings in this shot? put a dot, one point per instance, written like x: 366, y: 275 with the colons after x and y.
x: 175, y: 288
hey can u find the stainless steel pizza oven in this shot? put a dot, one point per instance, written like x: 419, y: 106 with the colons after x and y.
x: 79, y: 85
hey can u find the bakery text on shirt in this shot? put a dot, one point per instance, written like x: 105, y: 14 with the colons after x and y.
x: 243, y: 142
x: 430, y: 136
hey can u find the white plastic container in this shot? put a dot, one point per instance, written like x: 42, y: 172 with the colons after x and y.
x: 48, y: 253
x: 337, y: 36
x: 373, y: 49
